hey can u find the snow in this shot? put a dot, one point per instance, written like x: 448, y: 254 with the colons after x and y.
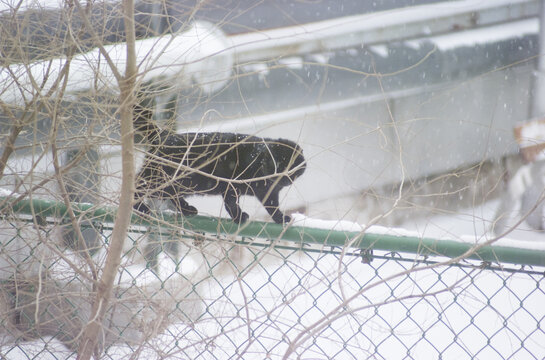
x: 260, y: 68
x: 469, y: 226
x: 480, y: 36
x: 381, y: 50
x: 292, y: 62
x: 337, y: 225
x: 356, y: 30
x: 47, y: 348
x: 198, y: 55
x: 10, y: 5
x: 474, y: 37
x: 5, y: 192
x: 306, y: 286
x: 321, y: 58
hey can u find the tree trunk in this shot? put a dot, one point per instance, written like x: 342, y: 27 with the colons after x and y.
x: 89, y: 341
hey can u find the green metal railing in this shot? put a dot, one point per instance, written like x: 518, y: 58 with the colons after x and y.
x: 299, y: 235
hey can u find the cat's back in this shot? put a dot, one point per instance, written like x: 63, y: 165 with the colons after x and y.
x: 200, y: 147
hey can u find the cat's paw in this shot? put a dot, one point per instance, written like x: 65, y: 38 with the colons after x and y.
x: 282, y: 219
x: 189, y: 210
x: 242, y: 218
x: 286, y: 219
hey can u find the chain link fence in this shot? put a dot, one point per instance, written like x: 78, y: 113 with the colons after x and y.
x: 194, y: 294
x: 204, y: 288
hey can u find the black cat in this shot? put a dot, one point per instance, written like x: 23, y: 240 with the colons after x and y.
x: 224, y: 164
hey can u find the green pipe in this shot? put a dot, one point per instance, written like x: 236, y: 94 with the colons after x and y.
x: 296, y: 234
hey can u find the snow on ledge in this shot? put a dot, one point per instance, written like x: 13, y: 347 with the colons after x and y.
x: 487, y: 35
x: 5, y: 192
x: 349, y: 226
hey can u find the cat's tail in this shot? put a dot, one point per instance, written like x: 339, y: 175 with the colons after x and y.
x: 145, y: 125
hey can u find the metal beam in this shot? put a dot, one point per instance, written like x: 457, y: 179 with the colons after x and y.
x: 209, y: 62
x: 379, y: 27
x: 198, y: 55
x: 296, y: 234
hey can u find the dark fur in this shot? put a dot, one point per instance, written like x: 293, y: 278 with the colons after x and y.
x: 224, y: 164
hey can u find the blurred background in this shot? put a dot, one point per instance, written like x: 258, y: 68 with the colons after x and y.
x: 405, y: 109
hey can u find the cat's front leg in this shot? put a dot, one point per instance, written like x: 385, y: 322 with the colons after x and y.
x: 183, y: 206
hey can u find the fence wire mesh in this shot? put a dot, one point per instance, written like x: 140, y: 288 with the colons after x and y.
x: 190, y: 295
